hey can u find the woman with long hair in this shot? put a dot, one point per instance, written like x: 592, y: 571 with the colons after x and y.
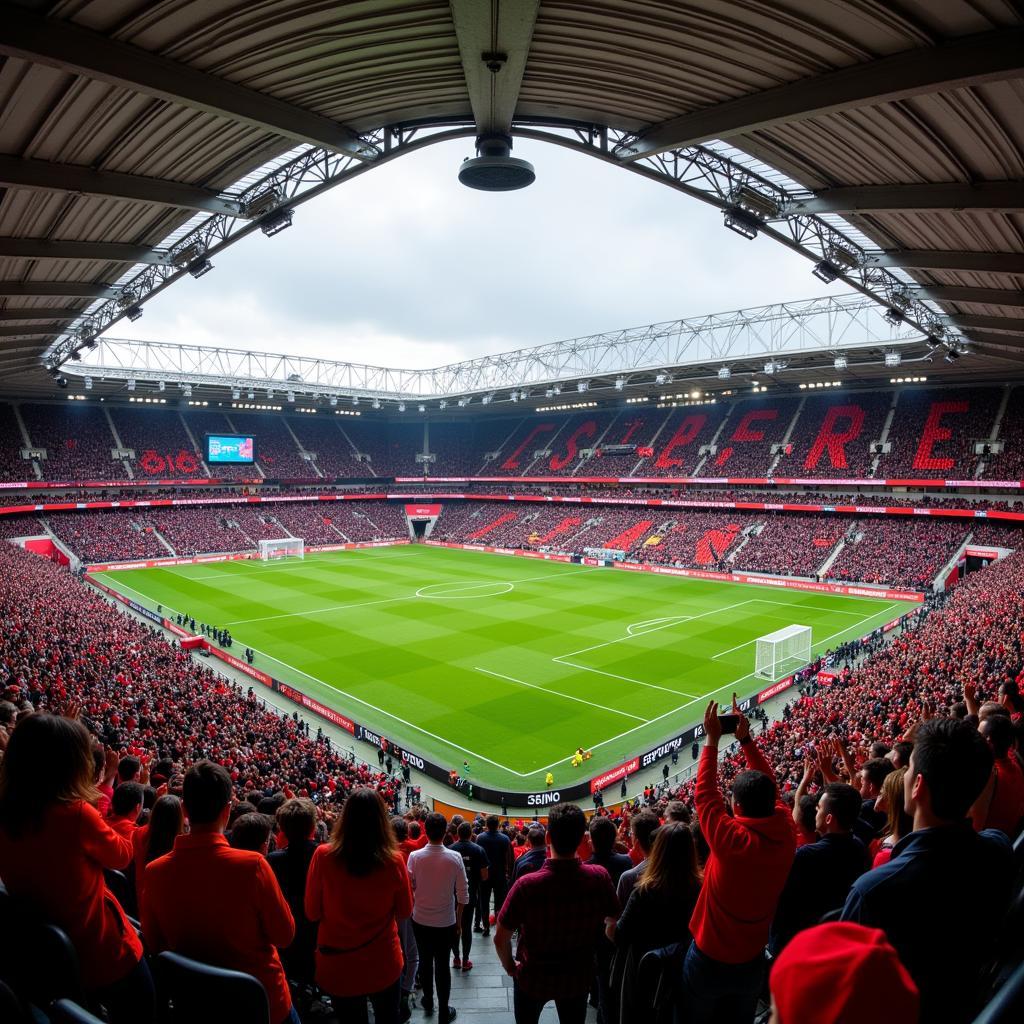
x: 154, y: 839
x: 898, y: 823
x: 358, y: 890
x: 54, y: 848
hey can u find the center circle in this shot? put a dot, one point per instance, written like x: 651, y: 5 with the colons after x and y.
x: 464, y: 591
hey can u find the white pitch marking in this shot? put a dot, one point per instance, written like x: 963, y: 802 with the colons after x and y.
x: 556, y: 693
x: 625, y: 679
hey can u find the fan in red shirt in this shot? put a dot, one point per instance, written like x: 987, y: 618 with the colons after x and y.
x: 216, y: 904
x: 724, y: 966
x: 54, y: 847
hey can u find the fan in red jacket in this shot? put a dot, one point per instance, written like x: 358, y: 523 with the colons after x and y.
x: 752, y: 851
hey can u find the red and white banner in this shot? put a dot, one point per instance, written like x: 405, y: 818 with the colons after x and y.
x: 242, y: 666
x: 827, y: 678
x: 614, y: 774
x: 775, y: 689
x: 422, y: 511
x: 500, y: 551
x: 314, y: 705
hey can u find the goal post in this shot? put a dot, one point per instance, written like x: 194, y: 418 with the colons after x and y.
x: 783, y: 651
x: 282, y: 547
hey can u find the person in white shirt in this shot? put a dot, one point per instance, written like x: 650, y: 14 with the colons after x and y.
x: 440, y: 891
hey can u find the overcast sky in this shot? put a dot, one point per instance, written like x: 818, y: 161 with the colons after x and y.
x: 405, y: 267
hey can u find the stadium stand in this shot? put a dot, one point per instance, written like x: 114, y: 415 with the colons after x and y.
x: 12, y: 465
x: 790, y: 545
x: 276, y: 450
x: 209, y: 421
x: 77, y: 439
x: 744, y: 446
x: 161, y: 444
x: 322, y: 436
x: 103, y: 537
x: 1009, y: 464
x: 933, y: 434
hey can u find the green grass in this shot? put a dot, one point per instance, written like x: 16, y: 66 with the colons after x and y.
x: 510, y: 663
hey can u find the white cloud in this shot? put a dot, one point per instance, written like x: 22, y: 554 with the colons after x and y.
x: 403, y: 266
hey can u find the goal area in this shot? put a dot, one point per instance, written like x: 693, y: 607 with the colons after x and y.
x: 282, y: 547
x: 783, y: 651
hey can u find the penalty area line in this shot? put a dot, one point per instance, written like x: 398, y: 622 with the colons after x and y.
x: 564, y: 696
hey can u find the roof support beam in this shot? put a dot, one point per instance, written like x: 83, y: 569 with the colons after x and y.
x: 982, y: 296
x: 984, y: 197
x: 933, y: 259
x: 69, y: 47
x: 105, y: 252
x: 70, y: 289
x: 985, y: 57
x: 29, y: 332
x: 494, y: 36
x: 43, y: 176
x: 1015, y: 325
x: 40, y: 313
x: 1004, y: 340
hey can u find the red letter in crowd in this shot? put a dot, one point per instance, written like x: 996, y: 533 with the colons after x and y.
x: 512, y: 462
x: 686, y: 434
x: 633, y: 426
x: 743, y: 431
x: 934, y: 432
x: 835, y: 441
x: 587, y: 430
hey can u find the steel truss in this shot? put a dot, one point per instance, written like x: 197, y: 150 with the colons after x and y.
x: 697, y: 171
x: 845, y: 323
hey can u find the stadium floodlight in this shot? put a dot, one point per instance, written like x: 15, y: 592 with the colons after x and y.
x: 724, y: 373
x: 422, y: 407
x: 291, y: 396
x: 376, y: 403
x: 583, y: 385
x: 333, y: 401
x: 825, y: 271
x: 131, y: 384
x: 62, y: 382
x: 769, y: 367
x: 276, y: 221
x: 620, y: 383
x: 88, y: 383
x: 892, y: 358
x: 663, y: 378
x: 840, y: 362
x: 952, y: 356
x: 760, y: 203
x: 743, y: 223
x: 894, y: 316
x: 200, y: 267
x: 235, y: 394
x: 186, y: 390
x: 494, y: 169
x: 251, y: 395
x: 161, y: 385
x: 401, y: 406
x: 76, y: 356
x: 557, y: 389
x: 133, y: 313
x: 841, y: 257
x: 514, y: 395
x: 443, y: 404
x: 464, y: 401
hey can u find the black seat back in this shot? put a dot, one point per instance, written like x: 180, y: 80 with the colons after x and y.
x: 1007, y: 1005
x: 36, y: 957
x: 66, y: 1012
x: 190, y: 992
x: 12, y: 1009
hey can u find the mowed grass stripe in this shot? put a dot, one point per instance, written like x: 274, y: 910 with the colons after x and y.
x: 408, y: 666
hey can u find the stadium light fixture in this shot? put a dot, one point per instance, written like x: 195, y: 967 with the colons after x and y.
x: 88, y: 383
x: 133, y: 313
x: 355, y: 399
x: 825, y: 272
x: 161, y: 385
x: 892, y: 358
x: 276, y: 221
x: 333, y: 401
x: 893, y: 316
x: 724, y: 373
x: 514, y: 395
x: 464, y: 401
x: 235, y: 394
x: 620, y: 383
x: 840, y: 362
x: 131, y: 384
x: 839, y: 256
x: 743, y: 223
x: 759, y: 203
x: 952, y: 356
x: 443, y: 404
x: 186, y: 390
x: 200, y: 267
x: 401, y: 406
x: 494, y: 169
x: 663, y: 378
x: 291, y: 396
x: 583, y: 385
x: 376, y: 403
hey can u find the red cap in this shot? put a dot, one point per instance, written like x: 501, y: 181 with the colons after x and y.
x: 841, y: 973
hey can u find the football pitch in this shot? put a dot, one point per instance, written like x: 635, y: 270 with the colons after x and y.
x: 509, y: 663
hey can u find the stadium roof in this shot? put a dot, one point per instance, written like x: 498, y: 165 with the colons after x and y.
x: 885, y: 141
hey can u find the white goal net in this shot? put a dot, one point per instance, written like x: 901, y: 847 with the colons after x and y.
x: 783, y: 651
x: 282, y: 547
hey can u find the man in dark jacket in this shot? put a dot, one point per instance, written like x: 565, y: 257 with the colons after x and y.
x: 822, y: 872
x: 533, y: 859
x: 927, y: 897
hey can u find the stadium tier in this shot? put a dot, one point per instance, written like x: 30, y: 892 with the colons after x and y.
x: 894, y: 433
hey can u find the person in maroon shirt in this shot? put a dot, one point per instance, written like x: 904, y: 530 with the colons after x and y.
x: 560, y: 912
x: 1001, y: 804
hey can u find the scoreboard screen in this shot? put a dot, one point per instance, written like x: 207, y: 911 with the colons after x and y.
x: 230, y: 449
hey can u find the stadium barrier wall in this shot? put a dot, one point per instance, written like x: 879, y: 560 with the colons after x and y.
x: 468, y: 789
x: 998, y: 515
